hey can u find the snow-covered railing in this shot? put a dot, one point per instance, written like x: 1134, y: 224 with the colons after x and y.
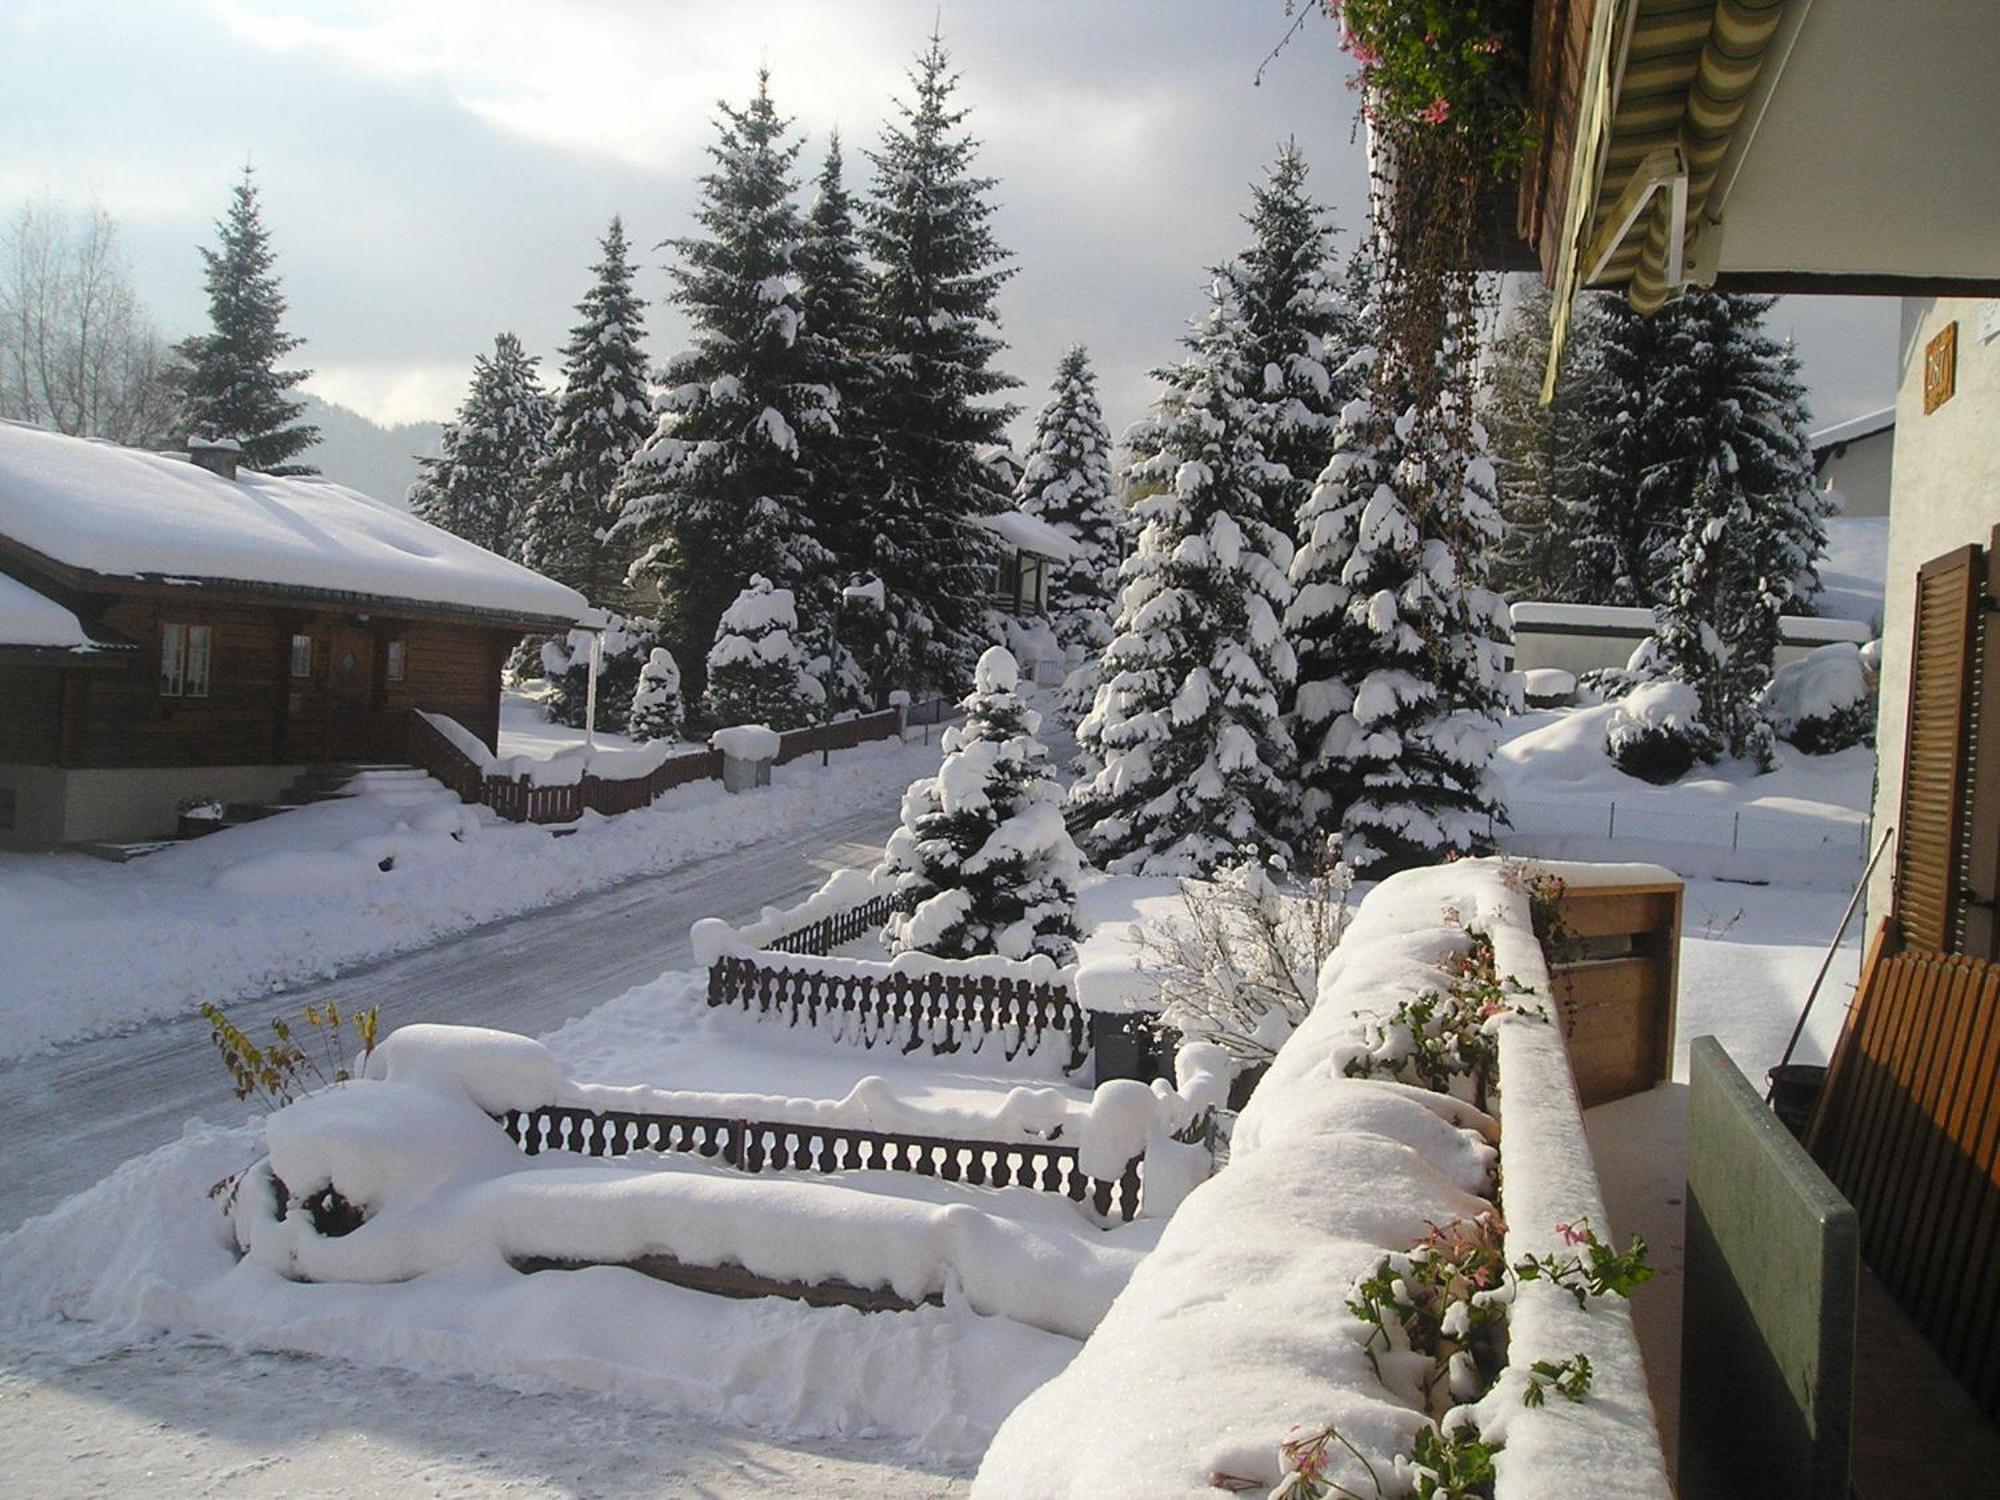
x: 850, y: 904
x: 1242, y: 1330
x: 560, y: 788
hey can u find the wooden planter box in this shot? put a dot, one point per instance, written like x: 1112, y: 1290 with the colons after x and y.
x: 1616, y: 990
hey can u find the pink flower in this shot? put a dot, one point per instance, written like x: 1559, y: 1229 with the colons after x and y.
x: 1493, y: 44
x: 1436, y: 112
x: 1573, y: 1235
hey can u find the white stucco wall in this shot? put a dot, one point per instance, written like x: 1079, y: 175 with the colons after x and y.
x: 1945, y: 490
x: 1861, y: 471
x: 55, y: 806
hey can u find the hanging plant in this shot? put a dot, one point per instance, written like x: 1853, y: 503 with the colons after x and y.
x: 1443, y: 70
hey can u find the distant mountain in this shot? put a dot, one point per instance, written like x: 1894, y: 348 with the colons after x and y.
x: 378, y: 461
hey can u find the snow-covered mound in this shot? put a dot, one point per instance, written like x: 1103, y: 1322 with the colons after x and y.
x: 1825, y: 701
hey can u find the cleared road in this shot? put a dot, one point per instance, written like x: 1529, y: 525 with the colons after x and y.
x: 89, y: 1107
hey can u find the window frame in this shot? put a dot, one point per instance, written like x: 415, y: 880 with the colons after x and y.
x: 200, y: 652
x: 301, y: 638
x: 173, y: 658
x: 395, y: 660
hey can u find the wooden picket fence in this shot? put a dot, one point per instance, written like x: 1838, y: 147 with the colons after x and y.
x: 943, y: 1011
x: 519, y: 800
x: 769, y: 1146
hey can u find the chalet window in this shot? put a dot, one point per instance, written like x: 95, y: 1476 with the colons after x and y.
x: 184, y: 651
x: 395, y: 662
x: 1007, y: 581
x: 302, y: 656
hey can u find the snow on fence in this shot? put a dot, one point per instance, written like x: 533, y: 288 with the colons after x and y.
x: 776, y: 1146
x: 559, y: 790
x: 779, y: 967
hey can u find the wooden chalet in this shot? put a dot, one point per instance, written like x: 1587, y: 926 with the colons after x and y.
x: 172, y: 629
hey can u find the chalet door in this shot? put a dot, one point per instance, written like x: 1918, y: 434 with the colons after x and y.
x: 350, y: 693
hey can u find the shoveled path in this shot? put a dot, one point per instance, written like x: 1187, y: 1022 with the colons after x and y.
x: 83, y: 1110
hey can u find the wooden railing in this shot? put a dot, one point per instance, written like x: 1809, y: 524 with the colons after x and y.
x: 828, y: 933
x: 944, y: 1011
x: 519, y: 800
x: 767, y: 1146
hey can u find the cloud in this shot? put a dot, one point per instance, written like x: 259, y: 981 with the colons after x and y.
x: 391, y: 392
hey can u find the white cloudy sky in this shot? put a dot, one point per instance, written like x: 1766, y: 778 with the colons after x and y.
x: 434, y: 171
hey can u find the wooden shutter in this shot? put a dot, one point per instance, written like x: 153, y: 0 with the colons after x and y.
x: 1980, y: 919
x: 1930, y: 832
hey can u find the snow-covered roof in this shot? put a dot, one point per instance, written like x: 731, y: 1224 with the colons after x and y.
x: 29, y: 619
x: 1854, y: 428
x: 1028, y: 533
x: 122, y: 512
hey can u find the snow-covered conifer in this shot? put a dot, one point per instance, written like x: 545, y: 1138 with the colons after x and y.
x: 602, y: 416
x: 719, y: 491
x: 835, y: 332
x: 627, y: 644
x: 1397, y: 718
x: 482, y: 483
x: 756, y: 668
x: 657, y: 712
x: 1302, y: 334
x: 1186, y: 757
x: 932, y: 309
x: 1067, y: 482
x: 230, y: 387
x: 983, y: 863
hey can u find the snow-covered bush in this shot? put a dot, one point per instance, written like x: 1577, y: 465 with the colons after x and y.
x: 757, y: 668
x: 657, y: 711
x: 1823, y: 702
x: 1656, y: 732
x: 983, y: 863
x: 1240, y: 965
x: 628, y: 642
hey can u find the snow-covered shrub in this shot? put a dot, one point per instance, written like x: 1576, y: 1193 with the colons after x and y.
x: 1823, y: 702
x: 757, y: 667
x: 1656, y: 732
x: 657, y: 711
x: 983, y: 863
x: 1240, y: 966
x: 628, y: 642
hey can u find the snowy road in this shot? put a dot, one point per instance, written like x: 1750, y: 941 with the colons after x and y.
x: 90, y: 1106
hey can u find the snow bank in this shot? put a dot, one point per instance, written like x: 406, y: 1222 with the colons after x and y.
x: 95, y: 947
x: 1235, y: 1330
x: 1824, y: 684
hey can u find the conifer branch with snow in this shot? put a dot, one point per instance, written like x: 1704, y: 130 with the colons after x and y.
x: 757, y: 667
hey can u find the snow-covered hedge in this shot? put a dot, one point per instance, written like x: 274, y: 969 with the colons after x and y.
x: 1656, y: 733
x: 1824, y: 702
x: 1234, y: 1334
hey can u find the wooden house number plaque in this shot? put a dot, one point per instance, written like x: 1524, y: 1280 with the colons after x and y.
x: 1941, y: 368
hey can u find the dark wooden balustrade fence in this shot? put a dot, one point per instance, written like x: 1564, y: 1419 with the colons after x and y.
x: 764, y: 1146
x: 519, y: 800
x: 828, y: 933
x: 945, y: 1011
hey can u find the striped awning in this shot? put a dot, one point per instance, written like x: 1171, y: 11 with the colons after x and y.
x: 1689, y: 67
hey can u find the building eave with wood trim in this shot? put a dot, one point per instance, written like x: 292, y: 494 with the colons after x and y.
x: 229, y: 631
x: 1839, y: 147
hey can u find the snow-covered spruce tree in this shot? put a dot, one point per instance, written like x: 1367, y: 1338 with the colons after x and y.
x: 719, y: 491
x: 983, y: 863
x: 628, y: 645
x: 231, y: 387
x: 657, y: 711
x: 932, y: 310
x: 1696, y: 388
x: 757, y: 668
x: 1302, y: 335
x: 1537, y: 450
x: 1398, y: 714
x: 602, y: 416
x: 482, y: 483
x: 833, y: 298
x: 1067, y: 482
x: 1186, y: 756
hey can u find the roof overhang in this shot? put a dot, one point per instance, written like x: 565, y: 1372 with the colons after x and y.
x: 1811, y: 146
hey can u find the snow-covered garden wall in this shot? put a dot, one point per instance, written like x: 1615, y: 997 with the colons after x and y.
x: 1244, y: 1328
